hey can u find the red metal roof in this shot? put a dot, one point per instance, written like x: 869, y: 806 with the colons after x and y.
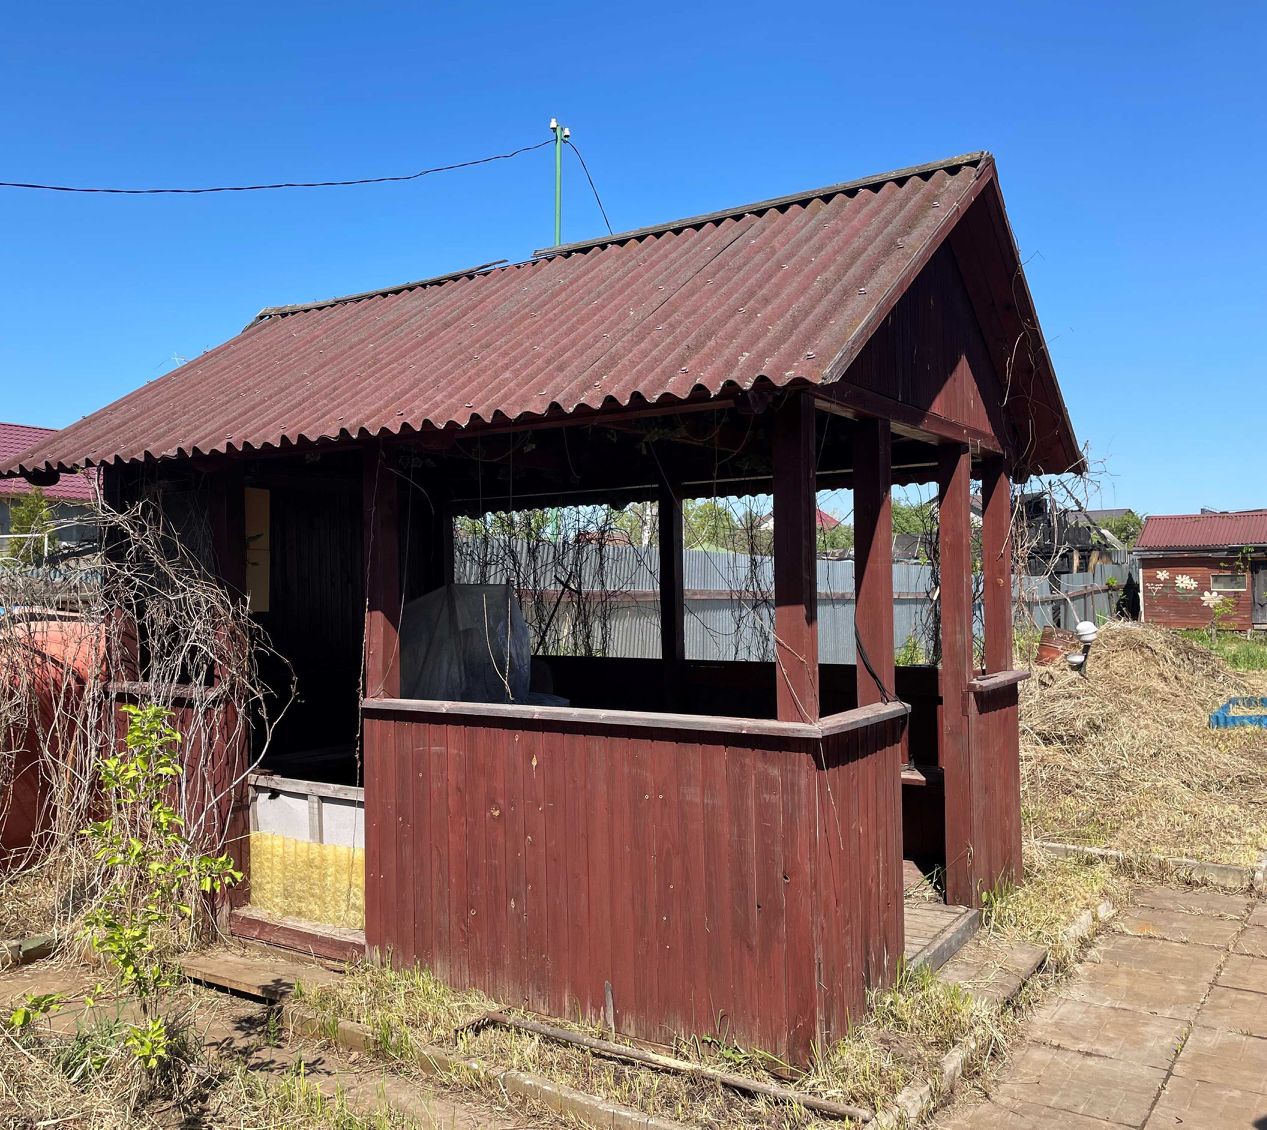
x: 786, y: 290
x: 1204, y: 531
x: 18, y: 438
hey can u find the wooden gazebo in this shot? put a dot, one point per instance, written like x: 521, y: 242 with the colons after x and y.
x: 688, y: 846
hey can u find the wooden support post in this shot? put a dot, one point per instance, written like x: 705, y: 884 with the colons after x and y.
x: 996, y: 564
x: 227, y: 744
x: 873, y: 559
x: 444, y: 524
x: 123, y: 652
x: 873, y: 623
x: 954, y: 470
x: 382, y: 576
x: 795, y: 563
x: 672, y: 593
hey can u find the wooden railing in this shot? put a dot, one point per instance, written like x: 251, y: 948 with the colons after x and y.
x: 661, y: 873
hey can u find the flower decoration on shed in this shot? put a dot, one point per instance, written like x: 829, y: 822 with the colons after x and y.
x: 1184, y: 582
x: 1163, y: 574
x: 1211, y: 599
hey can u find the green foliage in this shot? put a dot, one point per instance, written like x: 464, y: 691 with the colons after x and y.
x: 532, y: 525
x: 1126, y: 528
x: 838, y: 538
x: 34, y: 1006
x: 31, y: 519
x: 708, y: 524
x: 913, y: 517
x: 151, y: 871
x: 911, y: 653
x: 1240, y: 652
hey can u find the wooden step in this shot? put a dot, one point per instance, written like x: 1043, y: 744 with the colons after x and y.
x: 329, y: 943
x: 266, y: 977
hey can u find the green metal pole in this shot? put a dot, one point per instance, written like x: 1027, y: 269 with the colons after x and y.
x: 561, y: 134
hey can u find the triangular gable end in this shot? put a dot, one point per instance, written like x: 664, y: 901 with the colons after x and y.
x: 962, y: 343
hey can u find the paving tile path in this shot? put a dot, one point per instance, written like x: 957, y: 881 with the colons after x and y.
x: 1163, y: 1026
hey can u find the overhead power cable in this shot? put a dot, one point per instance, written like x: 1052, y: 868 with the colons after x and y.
x: 585, y: 169
x: 292, y: 184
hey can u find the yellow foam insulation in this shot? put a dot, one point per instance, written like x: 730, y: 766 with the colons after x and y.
x: 316, y: 882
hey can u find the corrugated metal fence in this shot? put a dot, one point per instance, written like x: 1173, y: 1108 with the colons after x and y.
x: 729, y: 605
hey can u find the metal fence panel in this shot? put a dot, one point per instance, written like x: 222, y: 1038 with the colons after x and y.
x: 729, y: 603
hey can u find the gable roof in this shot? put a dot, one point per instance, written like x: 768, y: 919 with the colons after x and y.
x: 17, y: 438
x: 1203, y: 531
x: 784, y: 291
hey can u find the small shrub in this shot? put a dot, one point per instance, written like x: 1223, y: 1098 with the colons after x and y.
x: 153, y: 874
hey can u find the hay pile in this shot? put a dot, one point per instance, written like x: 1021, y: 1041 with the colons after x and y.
x: 1125, y: 758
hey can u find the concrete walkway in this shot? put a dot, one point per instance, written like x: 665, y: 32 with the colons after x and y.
x: 1164, y: 1025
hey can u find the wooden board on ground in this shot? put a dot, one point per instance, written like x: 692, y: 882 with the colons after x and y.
x: 269, y: 978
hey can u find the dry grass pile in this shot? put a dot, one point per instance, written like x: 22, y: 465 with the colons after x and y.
x: 1125, y: 758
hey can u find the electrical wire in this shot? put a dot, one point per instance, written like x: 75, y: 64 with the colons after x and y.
x: 593, y: 188
x: 289, y: 184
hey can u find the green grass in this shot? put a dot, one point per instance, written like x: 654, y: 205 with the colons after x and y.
x: 1241, y: 653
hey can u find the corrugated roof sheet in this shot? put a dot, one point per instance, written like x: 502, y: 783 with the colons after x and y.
x: 18, y: 438
x: 1204, y: 531
x: 786, y: 290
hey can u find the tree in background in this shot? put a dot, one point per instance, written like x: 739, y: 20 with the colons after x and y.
x: 839, y: 537
x: 1126, y: 528
x: 917, y: 518
x: 31, y: 524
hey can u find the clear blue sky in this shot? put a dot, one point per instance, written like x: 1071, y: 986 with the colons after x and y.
x: 1130, y: 141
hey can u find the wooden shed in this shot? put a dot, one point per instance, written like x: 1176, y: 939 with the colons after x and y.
x: 687, y: 846
x: 1203, y: 569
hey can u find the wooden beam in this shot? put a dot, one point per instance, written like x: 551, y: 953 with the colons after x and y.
x: 996, y: 563
x: 860, y: 718
x: 382, y: 575
x: 873, y: 560
x: 853, y: 402
x: 795, y: 565
x: 672, y: 591
x: 955, y: 560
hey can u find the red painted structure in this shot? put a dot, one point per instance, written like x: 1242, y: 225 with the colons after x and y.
x: 688, y: 847
x: 1187, y: 561
x: 62, y: 657
x: 18, y: 438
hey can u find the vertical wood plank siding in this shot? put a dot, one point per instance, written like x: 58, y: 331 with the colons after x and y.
x: 215, y: 755
x: 1169, y: 606
x: 994, y: 744
x: 717, y: 882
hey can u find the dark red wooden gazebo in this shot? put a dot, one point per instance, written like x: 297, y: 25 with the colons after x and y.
x: 688, y: 847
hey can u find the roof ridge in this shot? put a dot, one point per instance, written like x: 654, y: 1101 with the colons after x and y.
x: 29, y: 427
x: 382, y: 292
x: 980, y: 156
x: 1211, y: 514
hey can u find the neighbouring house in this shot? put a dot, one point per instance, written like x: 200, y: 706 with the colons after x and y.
x: 1064, y: 539
x: 1200, y: 569
x: 1102, y: 517
x: 70, y: 498
x: 823, y: 521
x: 661, y: 844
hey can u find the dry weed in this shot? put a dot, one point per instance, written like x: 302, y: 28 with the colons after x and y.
x: 1125, y: 758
